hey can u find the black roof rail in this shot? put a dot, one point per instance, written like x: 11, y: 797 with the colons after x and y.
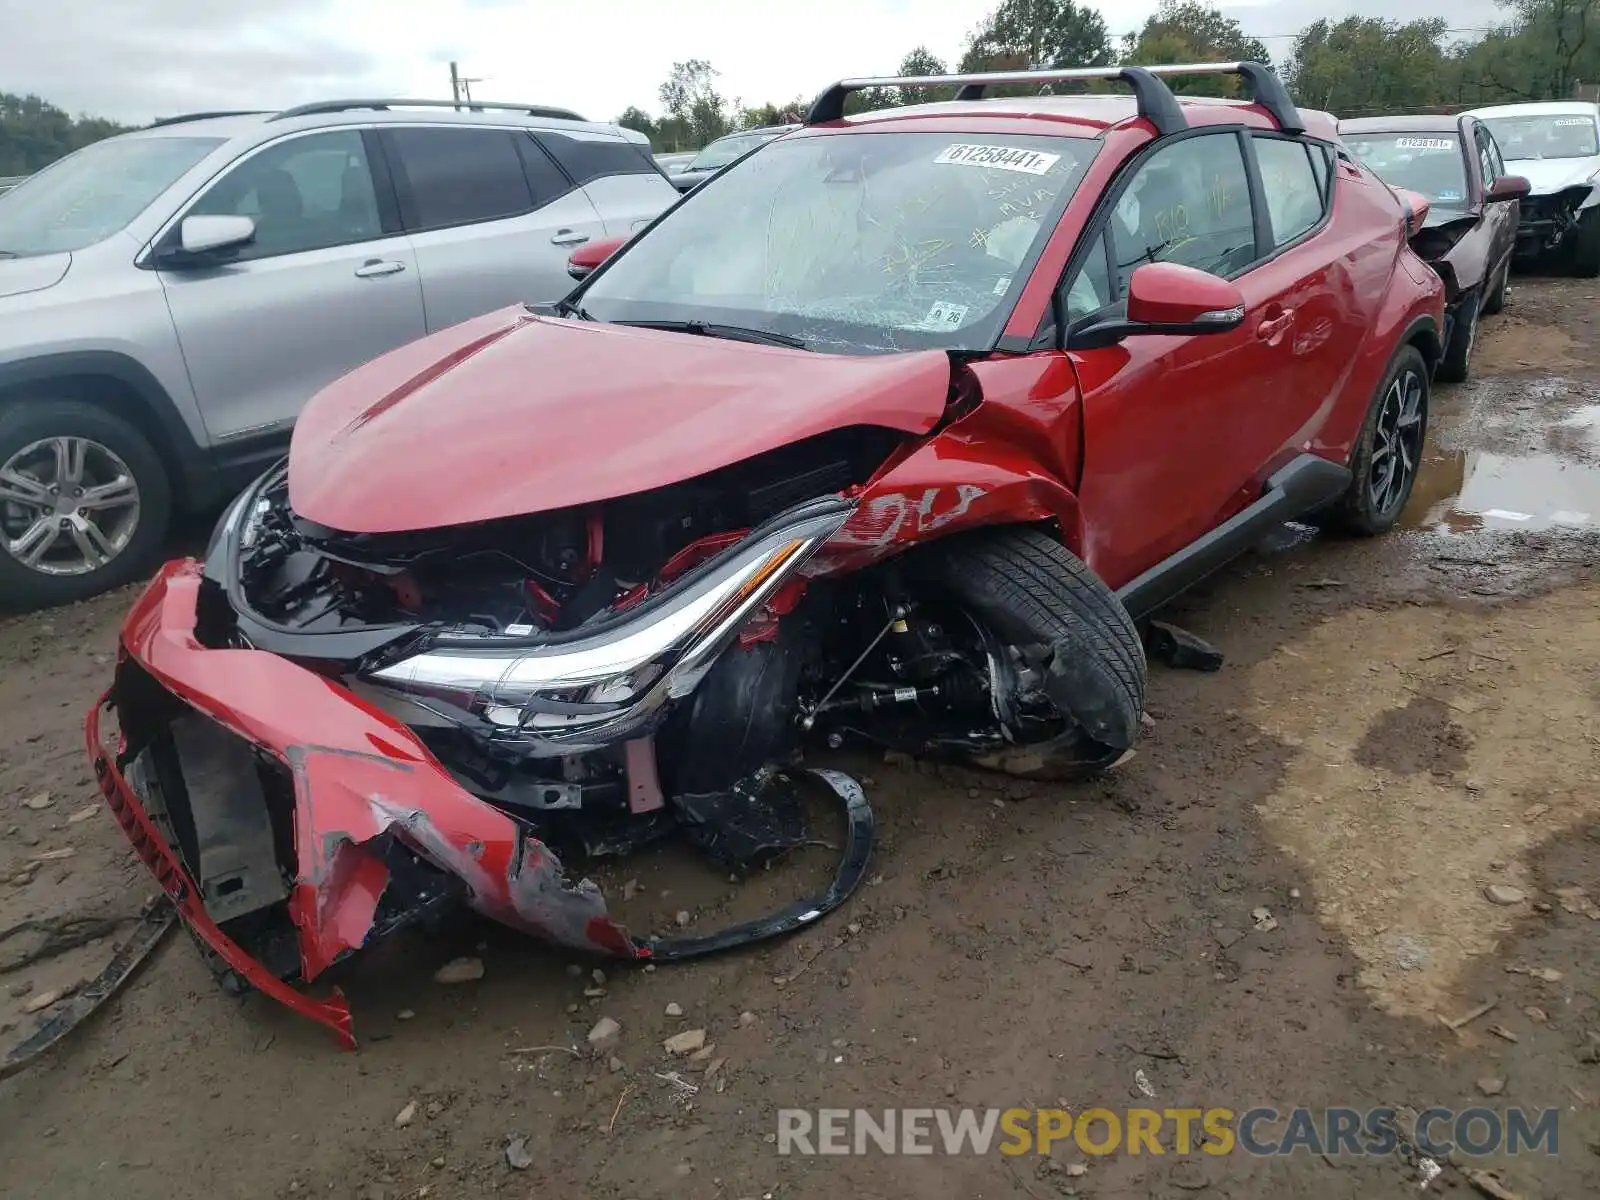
x: 336, y: 106
x: 1155, y: 100
x: 182, y: 118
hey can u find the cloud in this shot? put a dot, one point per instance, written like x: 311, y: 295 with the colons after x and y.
x: 138, y: 59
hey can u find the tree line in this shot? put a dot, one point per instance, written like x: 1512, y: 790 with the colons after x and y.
x: 1541, y: 50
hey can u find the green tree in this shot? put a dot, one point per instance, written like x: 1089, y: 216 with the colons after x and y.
x: 1183, y: 31
x: 1359, y: 66
x: 919, y: 62
x: 636, y: 118
x: 691, y: 99
x: 1031, y: 34
x: 34, y: 133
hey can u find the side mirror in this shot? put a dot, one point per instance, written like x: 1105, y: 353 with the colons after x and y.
x: 1168, y: 298
x: 587, y: 257
x: 207, y: 235
x: 1507, y: 187
x: 1417, y: 207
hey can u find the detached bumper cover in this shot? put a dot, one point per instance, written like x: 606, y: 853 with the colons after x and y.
x: 358, y: 776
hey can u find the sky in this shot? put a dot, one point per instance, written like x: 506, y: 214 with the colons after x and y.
x: 134, y: 60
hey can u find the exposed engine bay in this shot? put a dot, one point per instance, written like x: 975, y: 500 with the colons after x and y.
x: 1547, y: 221
x: 593, y: 681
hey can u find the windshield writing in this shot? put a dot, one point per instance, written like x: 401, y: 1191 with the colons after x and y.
x: 1427, y: 163
x: 854, y: 242
x: 1544, y: 137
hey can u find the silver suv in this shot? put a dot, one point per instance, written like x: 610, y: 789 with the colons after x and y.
x: 170, y: 298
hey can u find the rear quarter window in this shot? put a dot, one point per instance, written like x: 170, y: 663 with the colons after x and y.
x: 594, y: 158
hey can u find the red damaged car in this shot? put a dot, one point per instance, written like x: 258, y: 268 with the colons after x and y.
x: 894, y: 433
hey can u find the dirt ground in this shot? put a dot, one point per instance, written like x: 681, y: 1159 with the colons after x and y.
x: 1400, y: 727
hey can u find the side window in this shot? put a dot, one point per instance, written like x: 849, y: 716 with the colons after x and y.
x: 1485, y: 156
x: 457, y: 176
x: 1289, y: 182
x: 307, y: 193
x: 1494, y: 152
x: 1322, y: 168
x: 586, y: 158
x: 1189, y: 204
x: 1090, y: 289
x: 544, y: 177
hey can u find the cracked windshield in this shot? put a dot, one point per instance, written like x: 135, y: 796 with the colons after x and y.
x: 858, y: 243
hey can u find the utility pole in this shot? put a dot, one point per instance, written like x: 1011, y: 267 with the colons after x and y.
x: 455, y: 84
x: 460, y: 85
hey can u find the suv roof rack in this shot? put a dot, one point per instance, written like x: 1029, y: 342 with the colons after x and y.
x: 204, y: 116
x: 1155, y: 100
x: 335, y: 106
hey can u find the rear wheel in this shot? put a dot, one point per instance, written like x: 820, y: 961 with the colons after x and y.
x: 84, y: 503
x: 1388, y: 452
x: 1034, y: 592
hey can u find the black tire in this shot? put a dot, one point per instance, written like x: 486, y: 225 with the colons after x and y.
x: 1495, y: 301
x: 1585, y: 255
x: 1456, y: 364
x: 1358, y: 511
x: 1032, y: 590
x: 27, y: 422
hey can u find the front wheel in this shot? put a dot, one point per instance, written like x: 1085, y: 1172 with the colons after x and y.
x: 1496, y: 299
x: 84, y: 503
x: 1033, y: 592
x: 1585, y: 258
x: 1388, y: 451
x: 1456, y: 364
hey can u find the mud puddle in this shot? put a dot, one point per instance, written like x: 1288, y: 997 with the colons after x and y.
x: 1512, y: 453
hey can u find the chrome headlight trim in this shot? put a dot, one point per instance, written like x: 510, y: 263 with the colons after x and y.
x: 631, y: 668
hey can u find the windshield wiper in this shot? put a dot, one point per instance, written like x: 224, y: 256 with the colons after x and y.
x: 733, y: 333
x: 9, y: 254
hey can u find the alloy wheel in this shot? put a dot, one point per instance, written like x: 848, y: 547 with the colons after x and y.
x: 68, y: 505
x: 1396, y: 443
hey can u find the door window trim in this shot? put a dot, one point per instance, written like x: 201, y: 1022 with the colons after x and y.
x: 1052, y: 334
x: 377, y: 170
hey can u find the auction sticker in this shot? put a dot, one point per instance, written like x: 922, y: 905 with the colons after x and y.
x: 945, y: 316
x: 1425, y: 144
x: 1574, y: 121
x: 1006, y: 158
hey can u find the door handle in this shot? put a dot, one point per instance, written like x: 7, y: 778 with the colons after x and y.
x: 1271, y: 327
x: 567, y: 237
x: 374, y: 267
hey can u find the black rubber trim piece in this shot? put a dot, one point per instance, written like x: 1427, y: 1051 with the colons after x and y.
x: 1294, y: 490
x: 852, y: 869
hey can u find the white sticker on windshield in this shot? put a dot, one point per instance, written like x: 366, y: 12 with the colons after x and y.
x: 1574, y: 121
x: 1001, y: 284
x: 945, y: 316
x: 1007, y: 158
x: 1424, y: 144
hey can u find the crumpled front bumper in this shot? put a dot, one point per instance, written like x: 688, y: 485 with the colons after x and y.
x: 357, y: 774
x: 362, y: 780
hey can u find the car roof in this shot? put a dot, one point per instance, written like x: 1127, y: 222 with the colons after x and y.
x: 1540, y: 108
x: 1093, y: 114
x: 261, y: 125
x: 1404, y: 123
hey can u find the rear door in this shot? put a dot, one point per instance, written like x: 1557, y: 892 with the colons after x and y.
x: 1180, y: 431
x: 491, y: 218
x: 328, y: 283
x: 619, y: 177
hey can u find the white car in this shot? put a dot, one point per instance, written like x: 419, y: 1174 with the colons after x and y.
x: 1556, y: 146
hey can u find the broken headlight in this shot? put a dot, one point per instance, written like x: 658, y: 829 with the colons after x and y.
x: 601, y: 684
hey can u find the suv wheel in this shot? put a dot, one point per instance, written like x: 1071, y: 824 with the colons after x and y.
x: 1388, y: 453
x: 84, y: 503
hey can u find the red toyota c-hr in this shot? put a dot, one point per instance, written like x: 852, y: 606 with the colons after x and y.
x: 894, y: 431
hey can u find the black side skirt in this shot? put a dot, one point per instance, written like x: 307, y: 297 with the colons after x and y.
x: 1304, y: 484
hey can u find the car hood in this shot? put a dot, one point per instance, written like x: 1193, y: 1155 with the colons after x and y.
x: 513, y: 413
x: 1547, y: 175
x: 19, y: 276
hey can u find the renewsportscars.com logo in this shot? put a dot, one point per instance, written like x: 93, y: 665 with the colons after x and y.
x: 1438, y: 1132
